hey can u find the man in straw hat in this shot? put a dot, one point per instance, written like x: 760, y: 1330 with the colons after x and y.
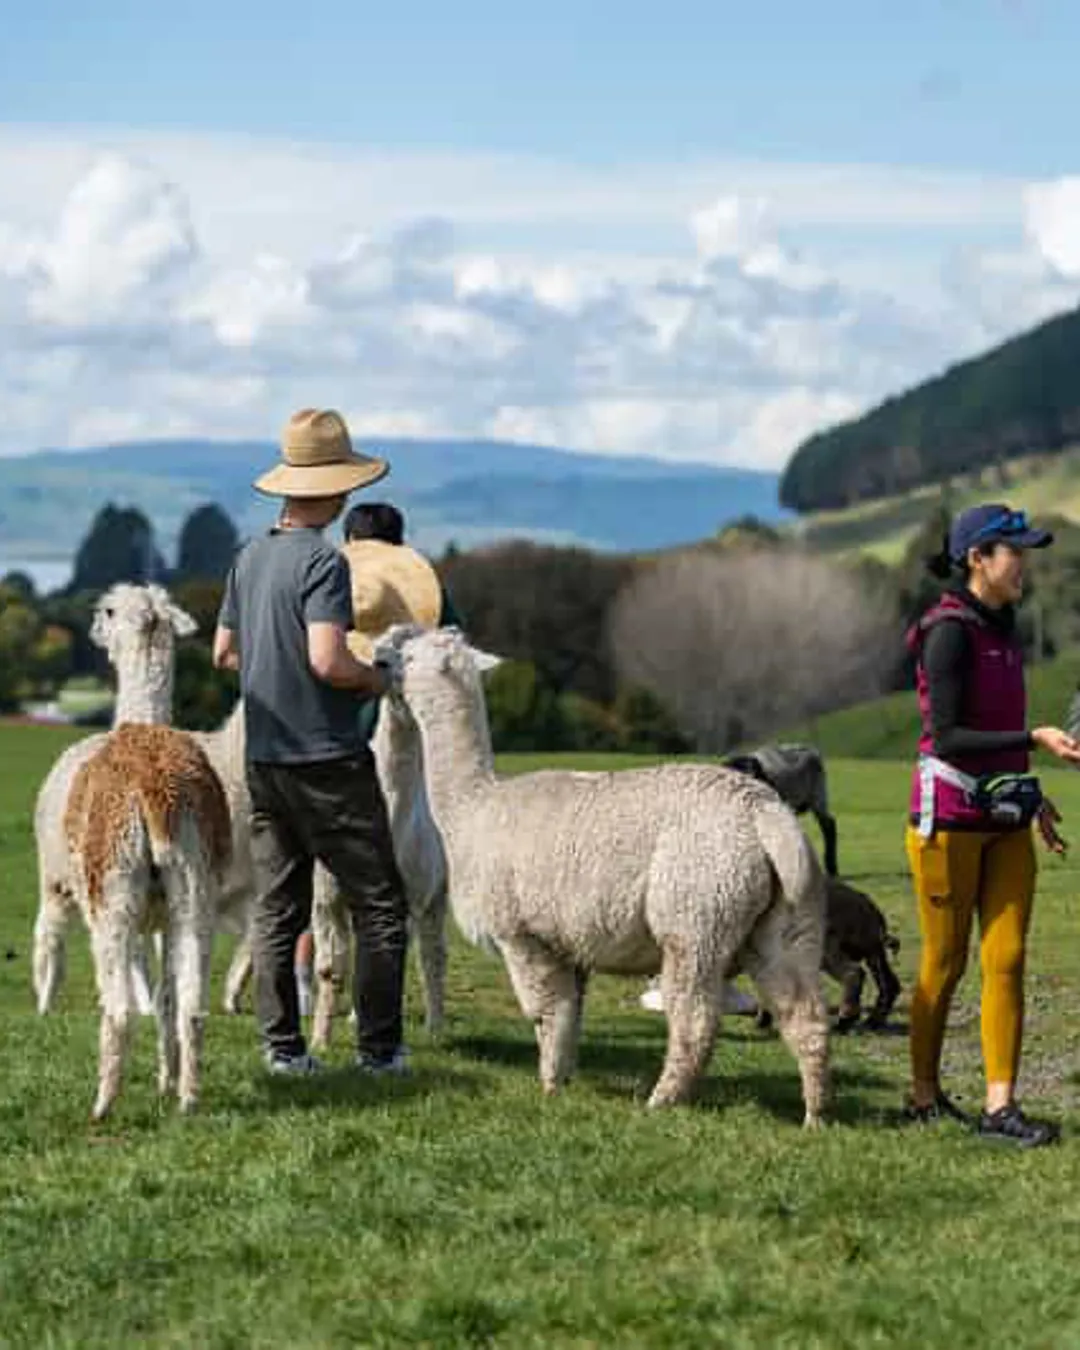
x: 284, y: 621
x: 391, y: 583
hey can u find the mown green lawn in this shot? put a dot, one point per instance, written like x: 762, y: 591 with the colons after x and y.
x: 459, y: 1208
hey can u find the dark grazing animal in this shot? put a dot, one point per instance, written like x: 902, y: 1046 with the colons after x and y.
x: 857, y: 939
x: 797, y: 773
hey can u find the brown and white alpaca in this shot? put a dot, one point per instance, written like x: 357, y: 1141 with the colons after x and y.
x: 137, y: 627
x: 149, y: 836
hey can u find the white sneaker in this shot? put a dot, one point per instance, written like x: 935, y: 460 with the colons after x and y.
x: 396, y: 1066
x: 739, y: 1003
x: 293, y: 1066
x: 735, y: 1001
x: 652, y: 999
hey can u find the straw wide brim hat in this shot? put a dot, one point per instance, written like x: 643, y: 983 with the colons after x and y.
x: 318, y: 460
x: 391, y: 583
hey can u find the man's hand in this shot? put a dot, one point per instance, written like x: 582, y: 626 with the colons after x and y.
x: 1058, y: 743
x: 226, y: 654
x: 1048, y: 819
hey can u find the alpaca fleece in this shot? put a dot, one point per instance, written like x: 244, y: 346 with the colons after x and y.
x: 150, y: 771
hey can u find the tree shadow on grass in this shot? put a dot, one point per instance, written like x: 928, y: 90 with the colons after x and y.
x: 346, y: 1087
x: 625, y: 1068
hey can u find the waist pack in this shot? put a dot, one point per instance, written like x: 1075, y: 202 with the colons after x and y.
x: 1008, y: 798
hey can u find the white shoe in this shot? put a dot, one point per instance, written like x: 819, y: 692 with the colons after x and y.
x: 739, y: 1003
x: 293, y: 1066
x: 396, y: 1066
x: 652, y: 999
x: 735, y: 1001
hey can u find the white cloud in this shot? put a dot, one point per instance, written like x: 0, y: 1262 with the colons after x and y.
x: 199, y: 290
x: 1052, y: 217
x: 122, y: 232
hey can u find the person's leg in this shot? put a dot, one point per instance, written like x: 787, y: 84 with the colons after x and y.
x: 304, y: 968
x: 1005, y: 899
x: 282, y: 911
x: 945, y: 869
x: 350, y: 834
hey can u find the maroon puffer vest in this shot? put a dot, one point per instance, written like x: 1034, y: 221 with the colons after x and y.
x: 994, y: 700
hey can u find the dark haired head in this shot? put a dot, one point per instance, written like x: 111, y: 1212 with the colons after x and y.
x: 375, y: 520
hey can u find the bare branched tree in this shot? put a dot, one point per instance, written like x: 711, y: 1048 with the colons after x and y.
x: 741, y: 646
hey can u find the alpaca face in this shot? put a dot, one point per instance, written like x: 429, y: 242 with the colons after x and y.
x: 423, y: 662
x: 140, y: 617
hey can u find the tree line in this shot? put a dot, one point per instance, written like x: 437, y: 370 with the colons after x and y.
x: 1018, y: 399
x: 703, y: 648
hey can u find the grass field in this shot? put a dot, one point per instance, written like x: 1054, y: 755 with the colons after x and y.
x: 459, y: 1208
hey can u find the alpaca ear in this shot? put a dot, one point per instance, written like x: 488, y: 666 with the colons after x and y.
x: 183, y: 625
x: 484, y: 661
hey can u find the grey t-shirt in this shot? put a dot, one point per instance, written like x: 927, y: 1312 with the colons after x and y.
x: 279, y: 584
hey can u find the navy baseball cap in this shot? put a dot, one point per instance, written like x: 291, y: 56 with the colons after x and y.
x: 992, y: 524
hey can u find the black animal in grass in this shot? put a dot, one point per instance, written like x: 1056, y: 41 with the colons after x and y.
x: 857, y: 940
x: 797, y: 774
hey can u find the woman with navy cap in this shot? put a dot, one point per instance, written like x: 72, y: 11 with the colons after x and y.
x: 969, y: 840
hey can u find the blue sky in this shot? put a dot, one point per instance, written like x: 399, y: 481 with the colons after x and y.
x: 694, y: 230
x: 974, y: 84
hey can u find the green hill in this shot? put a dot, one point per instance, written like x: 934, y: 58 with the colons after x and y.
x: 1045, y: 485
x: 1021, y: 397
x: 888, y: 728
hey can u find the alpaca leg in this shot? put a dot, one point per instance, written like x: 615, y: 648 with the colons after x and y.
x: 850, y: 976
x: 790, y: 981
x: 168, y: 1045
x: 581, y: 984
x: 239, y: 974
x: 547, y: 991
x: 692, y: 1000
x: 50, y: 931
x: 192, y: 904
x: 431, y: 947
x: 830, y: 836
x: 145, y: 1002
x: 888, y: 987
x: 330, y: 931
x: 112, y: 939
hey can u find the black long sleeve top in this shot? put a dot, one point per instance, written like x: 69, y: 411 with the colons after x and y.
x: 946, y: 659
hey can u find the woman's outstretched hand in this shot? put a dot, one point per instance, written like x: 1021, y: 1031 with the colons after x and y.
x: 1048, y: 819
x: 1057, y: 742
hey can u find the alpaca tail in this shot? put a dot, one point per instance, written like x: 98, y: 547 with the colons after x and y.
x: 793, y: 859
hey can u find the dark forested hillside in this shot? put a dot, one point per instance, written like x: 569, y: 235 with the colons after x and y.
x: 1021, y: 397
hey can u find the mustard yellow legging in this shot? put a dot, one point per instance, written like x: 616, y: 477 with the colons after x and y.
x: 959, y: 874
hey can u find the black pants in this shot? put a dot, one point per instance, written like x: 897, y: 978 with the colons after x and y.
x: 332, y: 811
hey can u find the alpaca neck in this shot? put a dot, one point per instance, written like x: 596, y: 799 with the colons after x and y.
x: 457, y: 755
x: 144, y: 689
x: 399, y: 753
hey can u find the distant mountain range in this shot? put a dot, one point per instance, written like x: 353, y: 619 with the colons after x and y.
x: 468, y: 492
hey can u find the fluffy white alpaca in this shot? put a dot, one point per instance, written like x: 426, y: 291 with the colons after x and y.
x: 137, y: 627
x: 692, y: 870
x: 148, y: 835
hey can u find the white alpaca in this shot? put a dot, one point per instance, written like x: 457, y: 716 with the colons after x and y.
x: 692, y: 870
x: 224, y: 749
x: 137, y: 626
x: 148, y: 833
x: 418, y: 849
